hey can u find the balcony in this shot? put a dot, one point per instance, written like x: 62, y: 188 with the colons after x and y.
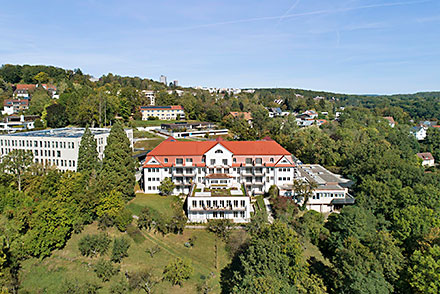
x: 218, y: 208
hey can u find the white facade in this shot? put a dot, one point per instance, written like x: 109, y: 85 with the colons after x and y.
x: 218, y: 171
x: 8, y: 110
x: 162, y: 112
x: 330, y: 194
x: 57, y: 147
x: 419, y: 133
x: 151, y: 96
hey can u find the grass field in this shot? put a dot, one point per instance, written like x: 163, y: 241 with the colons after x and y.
x: 149, y: 144
x: 47, y: 276
x: 260, y: 206
x: 162, y: 204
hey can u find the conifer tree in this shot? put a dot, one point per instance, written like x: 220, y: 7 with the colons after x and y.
x: 88, y: 160
x: 118, y: 166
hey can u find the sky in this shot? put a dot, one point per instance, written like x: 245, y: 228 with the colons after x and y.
x: 347, y: 46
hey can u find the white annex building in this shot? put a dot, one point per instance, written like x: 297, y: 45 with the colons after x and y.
x: 56, y: 147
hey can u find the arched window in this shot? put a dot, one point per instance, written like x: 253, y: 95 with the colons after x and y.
x: 218, y: 151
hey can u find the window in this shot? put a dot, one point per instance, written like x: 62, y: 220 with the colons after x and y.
x: 165, y: 160
x: 189, y: 160
x: 222, y: 214
x: 179, y: 160
x: 212, y: 161
x: 271, y: 159
x: 218, y: 151
x: 242, y: 203
x: 241, y: 213
x: 222, y: 203
x: 235, y: 214
x: 258, y: 161
x: 201, y: 203
x: 248, y: 160
x: 194, y: 203
x: 234, y: 160
x: 235, y: 203
x: 214, y: 203
x: 214, y: 214
x: 225, y: 162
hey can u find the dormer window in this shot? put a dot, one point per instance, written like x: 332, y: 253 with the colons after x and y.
x: 165, y: 160
x: 271, y: 160
x: 218, y: 151
x: 234, y: 160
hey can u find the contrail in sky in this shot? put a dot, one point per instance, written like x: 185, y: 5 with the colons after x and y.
x: 316, y: 12
x: 288, y: 11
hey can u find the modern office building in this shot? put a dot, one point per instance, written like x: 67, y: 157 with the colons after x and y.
x: 163, y: 79
x: 172, y: 112
x: 56, y: 147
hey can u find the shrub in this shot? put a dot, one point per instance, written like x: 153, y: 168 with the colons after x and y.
x: 92, y: 245
x: 220, y: 227
x: 145, y: 220
x: 177, y: 271
x: 120, y: 249
x: 104, y: 270
x: 123, y: 219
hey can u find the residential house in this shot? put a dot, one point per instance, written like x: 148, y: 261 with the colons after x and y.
x: 419, y: 132
x: 151, y: 96
x: 247, y: 116
x: 225, y: 169
x: 276, y: 111
x: 12, y: 106
x: 427, y: 158
x: 390, y: 120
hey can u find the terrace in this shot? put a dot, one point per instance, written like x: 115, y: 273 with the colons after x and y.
x: 200, y: 190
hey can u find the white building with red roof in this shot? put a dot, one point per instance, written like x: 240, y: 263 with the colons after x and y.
x: 427, y: 158
x: 219, y: 176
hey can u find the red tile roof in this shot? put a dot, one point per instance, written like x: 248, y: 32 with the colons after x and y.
x: 425, y: 156
x: 390, y: 119
x: 25, y: 86
x: 172, y: 147
x: 245, y: 115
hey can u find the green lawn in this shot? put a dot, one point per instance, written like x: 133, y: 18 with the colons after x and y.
x: 46, y: 276
x: 162, y: 204
x: 143, y: 134
x: 259, y: 206
x: 149, y: 144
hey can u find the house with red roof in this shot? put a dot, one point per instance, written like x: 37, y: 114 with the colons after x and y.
x: 247, y: 116
x: 172, y: 112
x: 390, y: 120
x: 11, y: 106
x: 226, y: 172
x: 427, y: 158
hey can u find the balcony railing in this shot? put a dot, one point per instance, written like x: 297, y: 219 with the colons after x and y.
x: 218, y: 208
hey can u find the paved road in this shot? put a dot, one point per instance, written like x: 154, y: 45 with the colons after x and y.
x: 269, y: 210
